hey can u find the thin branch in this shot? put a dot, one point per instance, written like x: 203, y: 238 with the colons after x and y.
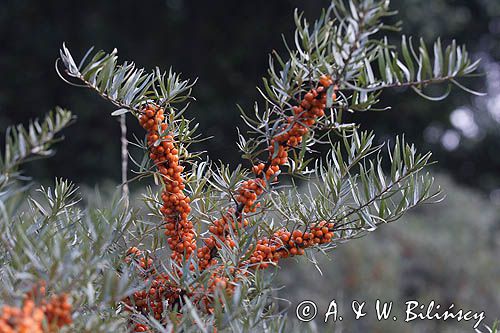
x: 124, y: 155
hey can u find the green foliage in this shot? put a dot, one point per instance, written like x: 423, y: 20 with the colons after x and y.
x: 189, y: 44
x: 80, y: 249
x: 123, y: 84
x: 445, y: 252
x: 25, y: 144
x: 344, y: 43
x: 416, y: 69
x: 46, y: 236
x: 354, y: 193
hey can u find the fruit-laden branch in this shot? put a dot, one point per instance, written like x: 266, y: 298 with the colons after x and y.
x: 288, y: 136
x: 337, y: 52
x: 175, y: 209
x: 162, y: 291
x: 285, y: 242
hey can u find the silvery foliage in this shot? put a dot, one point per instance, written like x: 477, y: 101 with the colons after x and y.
x: 358, y: 184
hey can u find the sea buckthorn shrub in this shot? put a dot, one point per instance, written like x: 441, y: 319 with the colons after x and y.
x: 201, y: 252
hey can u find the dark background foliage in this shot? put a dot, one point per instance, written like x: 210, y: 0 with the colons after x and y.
x: 226, y: 45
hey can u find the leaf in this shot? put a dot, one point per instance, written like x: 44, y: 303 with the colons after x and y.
x: 329, y: 96
x: 119, y: 112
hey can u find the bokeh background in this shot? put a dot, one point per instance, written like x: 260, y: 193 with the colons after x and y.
x: 448, y: 252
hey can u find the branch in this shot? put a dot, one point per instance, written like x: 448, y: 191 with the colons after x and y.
x: 415, y: 70
x: 124, y: 156
x: 124, y: 85
x: 25, y: 144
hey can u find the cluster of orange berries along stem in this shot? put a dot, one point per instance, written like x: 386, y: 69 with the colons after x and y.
x: 179, y: 230
x: 220, y: 229
x: 161, y: 291
x: 45, y: 316
x: 284, y: 243
x: 291, y: 134
x: 175, y: 209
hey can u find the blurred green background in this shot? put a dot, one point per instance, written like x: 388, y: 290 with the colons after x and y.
x: 450, y: 251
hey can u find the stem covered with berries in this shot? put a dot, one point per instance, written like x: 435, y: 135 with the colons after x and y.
x: 179, y: 230
x: 222, y: 227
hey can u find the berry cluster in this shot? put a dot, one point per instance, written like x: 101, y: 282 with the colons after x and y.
x: 220, y: 234
x: 27, y: 319
x: 57, y: 312
x: 141, y: 328
x: 47, y: 317
x: 271, y: 169
x: 311, y: 107
x: 179, y: 230
x: 144, y: 262
x: 248, y: 193
x: 160, y: 291
x: 304, y: 116
x: 163, y: 295
x: 151, y: 302
x: 176, y: 209
x: 218, y: 279
x: 284, y: 243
